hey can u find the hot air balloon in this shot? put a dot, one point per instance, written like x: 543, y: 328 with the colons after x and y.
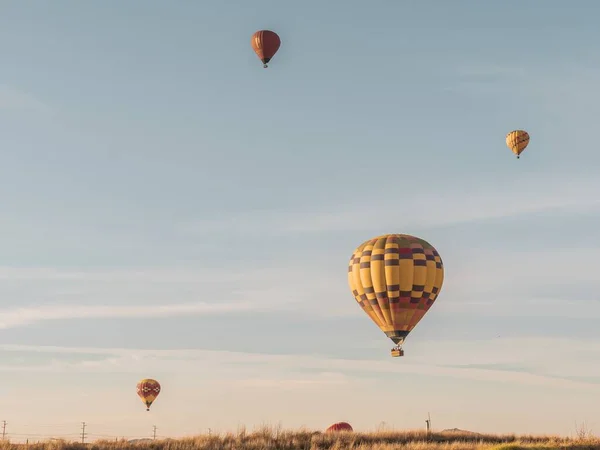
x: 517, y: 141
x: 339, y: 426
x: 148, y: 389
x: 396, y: 278
x: 265, y: 44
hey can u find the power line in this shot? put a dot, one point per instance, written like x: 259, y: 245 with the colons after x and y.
x: 83, y: 433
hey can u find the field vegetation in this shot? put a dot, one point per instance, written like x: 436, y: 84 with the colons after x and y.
x: 269, y: 438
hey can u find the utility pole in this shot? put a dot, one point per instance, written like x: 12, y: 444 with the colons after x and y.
x: 3, y: 429
x: 428, y: 423
x: 153, y: 432
x: 83, y: 433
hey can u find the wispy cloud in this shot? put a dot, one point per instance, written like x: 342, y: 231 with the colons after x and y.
x: 307, y: 380
x: 26, y: 316
x: 198, y: 274
x: 223, y: 388
x: 503, y: 278
x: 490, y: 70
x: 31, y: 295
x: 532, y: 361
x: 13, y: 98
x: 481, y: 282
x: 427, y: 209
x: 490, y: 78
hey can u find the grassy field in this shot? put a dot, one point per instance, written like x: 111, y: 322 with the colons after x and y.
x: 275, y: 439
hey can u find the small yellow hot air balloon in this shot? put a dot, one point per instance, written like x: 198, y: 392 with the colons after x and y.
x: 517, y: 141
x: 396, y: 278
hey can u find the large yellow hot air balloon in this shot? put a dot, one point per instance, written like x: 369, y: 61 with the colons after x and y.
x: 148, y: 389
x: 517, y: 141
x: 396, y: 278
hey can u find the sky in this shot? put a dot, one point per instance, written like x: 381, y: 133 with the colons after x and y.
x: 172, y: 210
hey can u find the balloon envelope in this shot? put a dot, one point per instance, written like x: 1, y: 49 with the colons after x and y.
x: 396, y: 278
x: 339, y: 426
x: 148, y: 389
x: 517, y: 141
x: 265, y: 44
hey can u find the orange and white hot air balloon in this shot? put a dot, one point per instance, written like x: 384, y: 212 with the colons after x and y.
x: 517, y: 141
x: 148, y: 389
x: 265, y: 44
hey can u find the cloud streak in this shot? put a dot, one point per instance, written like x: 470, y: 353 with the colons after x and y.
x: 430, y: 209
x: 481, y: 282
x: 186, y: 274
x: 458, y: 359
x: 14, y: 99
x: 42, y: 294
x: 521, y: 277
x: 12, y: 318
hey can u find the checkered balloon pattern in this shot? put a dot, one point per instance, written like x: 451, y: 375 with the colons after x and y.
x: 395, y: 278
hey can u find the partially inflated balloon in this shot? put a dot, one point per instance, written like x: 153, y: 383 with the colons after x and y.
x: 339, y: 426
x: 265, y: 44
x: 148, y: 389
x: 396, y: 278
x: 517, y: 141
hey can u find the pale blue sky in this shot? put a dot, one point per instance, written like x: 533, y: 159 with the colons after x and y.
x: 170, y: 209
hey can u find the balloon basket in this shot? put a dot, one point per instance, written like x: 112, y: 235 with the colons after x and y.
x: 396, y: 352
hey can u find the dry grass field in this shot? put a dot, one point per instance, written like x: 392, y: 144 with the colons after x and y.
x: 277, y: 439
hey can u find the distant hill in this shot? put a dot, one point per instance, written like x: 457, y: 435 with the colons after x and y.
x: 146, y: 440
x: 459, y: 431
